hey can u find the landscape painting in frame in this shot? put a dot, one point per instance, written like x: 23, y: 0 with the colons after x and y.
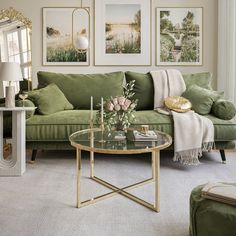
x: 123, y: 28
x: 122, y: 32
x: 179, y: 36
x: 61, y: 28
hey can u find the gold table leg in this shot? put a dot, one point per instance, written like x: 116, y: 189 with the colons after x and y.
x: 78, y: 167
x: 91, y: 164
x: 153, y: 164
x: 122, y: 191
x: 157, y: 179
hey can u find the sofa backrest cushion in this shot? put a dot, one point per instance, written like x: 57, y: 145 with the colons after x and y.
x: 202, y: 79
x: 143, y: 89
x: 78, y: 88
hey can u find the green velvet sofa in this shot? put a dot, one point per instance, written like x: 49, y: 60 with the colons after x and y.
x: 52, y: 131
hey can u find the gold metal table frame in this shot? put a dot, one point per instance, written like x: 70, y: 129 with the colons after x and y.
x: 124, y: 190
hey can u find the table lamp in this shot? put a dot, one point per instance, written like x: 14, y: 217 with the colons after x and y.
x: 10, y: 71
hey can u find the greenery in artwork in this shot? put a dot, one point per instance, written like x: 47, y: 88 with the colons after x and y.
x: 123, y: 33
x: 60, y: 49
x: 62, y: 54
x: 179, y: 37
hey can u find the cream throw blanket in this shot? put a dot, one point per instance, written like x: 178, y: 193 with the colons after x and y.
x: 192, y: 133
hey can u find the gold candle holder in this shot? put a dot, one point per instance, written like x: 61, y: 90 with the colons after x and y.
x: 91, y: 124
x: 91, y: 112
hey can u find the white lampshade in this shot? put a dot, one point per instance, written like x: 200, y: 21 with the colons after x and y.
x: 10, y: 71
x: 82, y: 43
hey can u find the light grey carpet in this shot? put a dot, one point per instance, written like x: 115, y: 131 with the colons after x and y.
x: 42, y: 201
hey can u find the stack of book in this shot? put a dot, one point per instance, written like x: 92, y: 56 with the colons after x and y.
x: 221, y: 192
x: 150, y: 135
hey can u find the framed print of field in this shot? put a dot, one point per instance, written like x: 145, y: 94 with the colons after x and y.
x: 122, y: 32
x: 61, y: 28
x: 179, y: 36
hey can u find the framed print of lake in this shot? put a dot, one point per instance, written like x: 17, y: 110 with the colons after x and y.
x: 61, y: 28
x: 122, y: 32
x: 179, y: 36
x: 123, y: 28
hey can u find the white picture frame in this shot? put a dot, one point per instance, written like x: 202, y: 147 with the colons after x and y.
x: 179, y: 36
x: 61, y: 25
x: 119, y: 39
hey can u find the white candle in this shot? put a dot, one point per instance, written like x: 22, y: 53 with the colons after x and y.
x: 102, y: 110
x: 91, y: 108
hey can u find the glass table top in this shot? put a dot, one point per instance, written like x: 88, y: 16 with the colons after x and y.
x: 116, y: 141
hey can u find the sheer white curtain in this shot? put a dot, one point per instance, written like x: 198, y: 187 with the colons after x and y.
x: 227, y: 48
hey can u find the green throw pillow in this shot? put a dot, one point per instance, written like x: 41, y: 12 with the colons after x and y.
x: 202, y: 79
x: 143, y: 89
x: 49, y: 100
x: 224, y: 109
x: 201, y: 99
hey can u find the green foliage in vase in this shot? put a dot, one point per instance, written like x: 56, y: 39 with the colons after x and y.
x: 119, y: 112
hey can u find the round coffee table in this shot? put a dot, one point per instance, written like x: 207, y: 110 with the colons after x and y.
x: 96, y: 141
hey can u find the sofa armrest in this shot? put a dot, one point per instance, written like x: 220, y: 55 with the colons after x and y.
x: 26, y: 103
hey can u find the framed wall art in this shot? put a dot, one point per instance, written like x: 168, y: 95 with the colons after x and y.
x: 179, y: 36
x: 62, y: 26
x: 122, y: 32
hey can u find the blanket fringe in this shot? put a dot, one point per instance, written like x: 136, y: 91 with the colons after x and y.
x: 190, y: 157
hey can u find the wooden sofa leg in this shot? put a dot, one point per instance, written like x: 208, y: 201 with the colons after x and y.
x: 222, y: 154
x: 33, y: 157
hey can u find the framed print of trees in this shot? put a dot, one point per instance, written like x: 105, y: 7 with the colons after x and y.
x: 179, y: 36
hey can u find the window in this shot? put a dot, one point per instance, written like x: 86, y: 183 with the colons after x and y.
x: 18, y: 45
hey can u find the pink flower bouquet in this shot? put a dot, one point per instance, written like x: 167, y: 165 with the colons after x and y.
x: 119, y: 111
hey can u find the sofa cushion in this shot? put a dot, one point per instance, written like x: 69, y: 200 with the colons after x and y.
x: 49, y: 100
x: 201, y: 99
x: 78, y: 88
x: 224, y: 130
x: 202, y: 79
x: 224, y: 109
x: 58, y: 126
x: 143, y: 89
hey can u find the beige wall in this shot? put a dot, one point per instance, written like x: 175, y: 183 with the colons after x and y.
x: 33, y: 10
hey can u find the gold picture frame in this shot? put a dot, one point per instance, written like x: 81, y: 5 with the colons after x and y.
x: 59, y: 32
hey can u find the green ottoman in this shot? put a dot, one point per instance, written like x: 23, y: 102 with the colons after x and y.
x: 211, y: 218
